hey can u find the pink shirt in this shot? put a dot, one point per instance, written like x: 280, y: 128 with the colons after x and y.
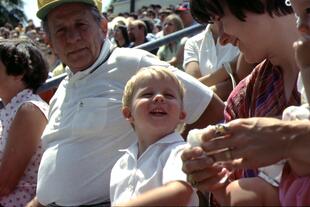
x: 294, y: 190
x: 25, y: 189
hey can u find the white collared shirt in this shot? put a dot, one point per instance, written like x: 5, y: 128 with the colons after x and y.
x: 160, y: 164
x: 86, y: 127
x: 209, y: 54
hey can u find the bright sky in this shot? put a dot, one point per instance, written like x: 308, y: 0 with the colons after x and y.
x: 30, y: 8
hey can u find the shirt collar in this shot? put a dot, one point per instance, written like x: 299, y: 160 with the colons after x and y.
x: 169, y: 139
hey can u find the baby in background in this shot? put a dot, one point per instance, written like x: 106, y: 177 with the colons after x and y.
x: 150, y: 171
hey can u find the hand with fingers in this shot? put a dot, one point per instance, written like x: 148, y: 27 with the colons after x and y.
x: 247, y: 143
x: 203, y: 173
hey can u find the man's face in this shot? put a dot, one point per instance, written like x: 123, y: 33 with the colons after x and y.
x: 133, y: 32
x: 75, y: 36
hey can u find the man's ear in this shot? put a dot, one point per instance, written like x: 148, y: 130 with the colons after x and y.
x: 104, y: 26
x: 127, y: 113
x: 49, y: 42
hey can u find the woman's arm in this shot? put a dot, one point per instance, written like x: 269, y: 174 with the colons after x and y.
x: 23, y: 140
x: 258, y: 142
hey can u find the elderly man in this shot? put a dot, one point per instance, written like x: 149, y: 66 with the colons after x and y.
x: 86, y: 128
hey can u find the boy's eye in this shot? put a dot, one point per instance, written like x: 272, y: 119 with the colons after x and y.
x: 169, y: 95
x: 308, y: 10
x: 147, y: 95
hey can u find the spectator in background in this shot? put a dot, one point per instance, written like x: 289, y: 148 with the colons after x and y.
x: 137, y: 32
x: 184, y: 12
x: 22, y: 120
x: 162, y: 14
x: 4, y: 33
x: 169, y: 52
x: 214, y: 64
x: 121, y: 37
x: 30, y: 26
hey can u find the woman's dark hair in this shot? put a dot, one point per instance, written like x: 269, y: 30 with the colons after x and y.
x: 22, y: 57
x: 124, y: 32
x: 204, y: 11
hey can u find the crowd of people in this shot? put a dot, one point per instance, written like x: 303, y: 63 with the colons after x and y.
x: 114, y: 132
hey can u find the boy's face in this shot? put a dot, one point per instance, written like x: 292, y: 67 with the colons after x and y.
x: 156, y: 107
x: 302, y: 11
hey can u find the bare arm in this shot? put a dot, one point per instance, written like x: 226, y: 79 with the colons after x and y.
x: 34, y: 203
x: 176, y: 193
x: 23, y: 140
x: 223, y: 89
x: 192, y: 68
x: 178, y: 59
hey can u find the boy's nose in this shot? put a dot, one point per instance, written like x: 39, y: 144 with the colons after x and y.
x: 158, y: 98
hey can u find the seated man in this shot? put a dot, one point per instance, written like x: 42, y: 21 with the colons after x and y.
x: 86, y: 127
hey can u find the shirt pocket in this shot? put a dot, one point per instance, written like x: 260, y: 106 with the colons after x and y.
x: 90, y: 116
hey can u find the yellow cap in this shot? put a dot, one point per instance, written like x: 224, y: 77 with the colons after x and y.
x: 45, y: 6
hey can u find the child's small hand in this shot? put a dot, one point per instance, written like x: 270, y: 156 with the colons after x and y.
x: 302, y: 53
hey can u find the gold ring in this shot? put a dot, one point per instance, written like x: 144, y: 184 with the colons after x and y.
x: 228, y: 154
x: 191, y: 181
x: 220, y: 129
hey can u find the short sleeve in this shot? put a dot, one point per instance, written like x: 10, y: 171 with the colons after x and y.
x: 191, y: 52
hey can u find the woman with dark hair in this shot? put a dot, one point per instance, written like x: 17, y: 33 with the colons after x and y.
x: 121, y: 35
x: 264, y: 31
x: 22, y: 120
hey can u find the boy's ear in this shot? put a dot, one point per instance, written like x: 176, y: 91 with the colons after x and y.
x: 127, y: 113
x: 182, y: 115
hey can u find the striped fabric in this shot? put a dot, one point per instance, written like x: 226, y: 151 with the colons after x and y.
x: 261, y: 94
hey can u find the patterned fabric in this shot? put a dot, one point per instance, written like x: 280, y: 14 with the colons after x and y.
x: 25, y: 189
x: 294, y: 190
x: 261, y: 94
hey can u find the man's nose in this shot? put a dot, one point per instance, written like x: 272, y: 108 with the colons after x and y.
x: 73, y: 35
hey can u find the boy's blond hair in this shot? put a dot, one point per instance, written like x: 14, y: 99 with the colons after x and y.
x: 152, y: 71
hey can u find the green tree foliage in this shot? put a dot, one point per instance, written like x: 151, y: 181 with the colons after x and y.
x: 11, y: 11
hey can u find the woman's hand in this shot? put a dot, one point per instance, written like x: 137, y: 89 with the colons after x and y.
x: 248, y: 143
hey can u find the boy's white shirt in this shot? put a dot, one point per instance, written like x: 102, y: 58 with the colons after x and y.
x: 160, y: 164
